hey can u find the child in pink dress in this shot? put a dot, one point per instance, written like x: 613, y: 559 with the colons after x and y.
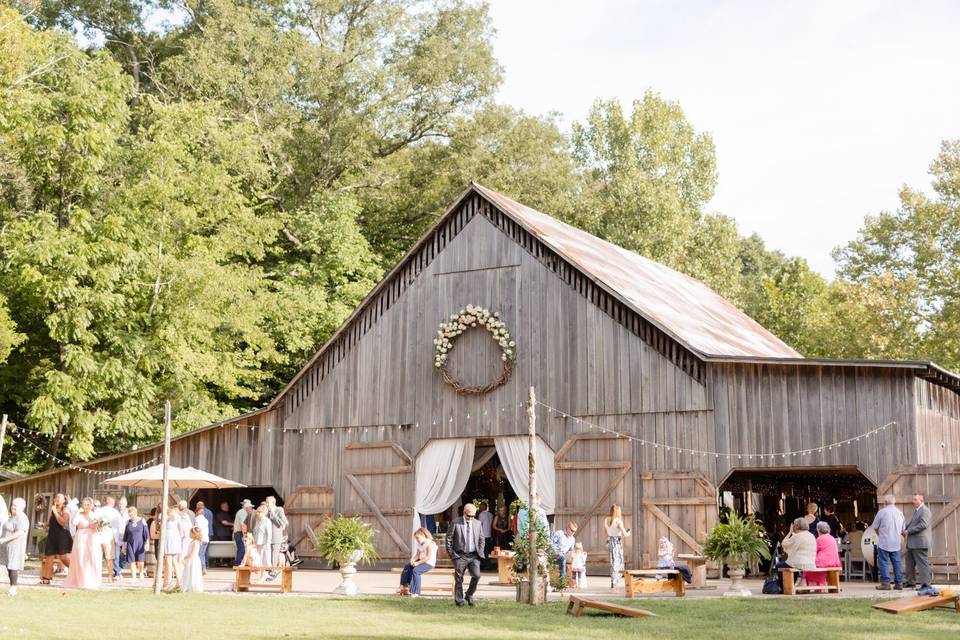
x: 86, y: 558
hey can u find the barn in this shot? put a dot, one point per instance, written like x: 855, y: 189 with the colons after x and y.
x: 653, y: 392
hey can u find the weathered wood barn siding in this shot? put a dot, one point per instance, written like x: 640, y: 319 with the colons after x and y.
x: 938, y: 424
x: 770, y: 408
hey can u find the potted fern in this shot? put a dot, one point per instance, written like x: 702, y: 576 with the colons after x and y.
x: 347, y: 541
x: 736, y: 542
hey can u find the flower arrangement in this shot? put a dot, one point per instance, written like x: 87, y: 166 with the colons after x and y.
x: 458, y: 323
x: 344, y: 540
x: 101, y: 523
x: 470, y: 317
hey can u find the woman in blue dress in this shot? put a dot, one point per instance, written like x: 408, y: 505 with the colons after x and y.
x: 135, y: 538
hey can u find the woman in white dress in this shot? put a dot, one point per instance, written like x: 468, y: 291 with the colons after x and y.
x: 191, y: 576
x: 616, y: 532
x: 172, y: 543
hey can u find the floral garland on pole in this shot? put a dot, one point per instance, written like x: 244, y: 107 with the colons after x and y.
x: 469, y: 317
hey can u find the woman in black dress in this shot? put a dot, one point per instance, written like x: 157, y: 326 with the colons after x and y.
x: 59, y: 541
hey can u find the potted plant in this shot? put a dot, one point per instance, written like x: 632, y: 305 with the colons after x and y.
x: 736, y: 542
x: 346, y: 541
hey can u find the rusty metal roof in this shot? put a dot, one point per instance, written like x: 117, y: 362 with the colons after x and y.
x: 690, y: 311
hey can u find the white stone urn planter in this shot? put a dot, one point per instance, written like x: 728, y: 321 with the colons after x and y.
x: 348, y: 569
x: 735, y: 571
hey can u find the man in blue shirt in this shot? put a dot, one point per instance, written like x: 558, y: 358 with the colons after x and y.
x: 889, y: 525
x: 563, y: 541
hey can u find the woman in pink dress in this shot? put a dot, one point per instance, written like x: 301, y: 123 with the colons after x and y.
x: 828, y: 555
x: 86, y: 558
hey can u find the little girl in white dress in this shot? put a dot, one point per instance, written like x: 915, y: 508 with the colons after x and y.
x: 578, y: 567
x: 191, y: 578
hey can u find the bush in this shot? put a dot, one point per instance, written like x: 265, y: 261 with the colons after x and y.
x: 342, y: 536
x: 737, y: 541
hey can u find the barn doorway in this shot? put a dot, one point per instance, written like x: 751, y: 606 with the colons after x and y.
x: 488, y: 484
x: 779, y: 495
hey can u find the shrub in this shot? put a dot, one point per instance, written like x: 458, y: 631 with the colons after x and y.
x: 737, y: 541
x: 340, y: 537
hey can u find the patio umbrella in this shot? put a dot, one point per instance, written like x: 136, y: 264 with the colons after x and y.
x: 180, y: 478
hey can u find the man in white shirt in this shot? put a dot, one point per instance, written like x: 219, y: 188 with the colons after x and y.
x: 204, y: 525
x: 889, y: 525
x: 121, y: 560
x: 240, y: 528
x: 109, y: 513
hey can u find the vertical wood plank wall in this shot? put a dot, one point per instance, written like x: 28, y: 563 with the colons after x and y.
x: 938, y: 424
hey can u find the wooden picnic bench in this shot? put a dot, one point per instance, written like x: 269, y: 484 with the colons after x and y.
x: 617, y: 609
x: 241, y: 579
x: 921, y: 603
x: 789, y: 588
x: 653, y: 581
x: 698, y: 570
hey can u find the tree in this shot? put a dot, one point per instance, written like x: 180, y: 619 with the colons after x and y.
x: 907, y: 265
x: 647, y: 177
x: 507, y: 150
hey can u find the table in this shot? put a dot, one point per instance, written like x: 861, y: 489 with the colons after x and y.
x: 504, y: 568
x: 698, y: 569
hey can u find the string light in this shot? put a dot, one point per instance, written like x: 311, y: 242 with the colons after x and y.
x: 718, y: 454
x: 69, y: 465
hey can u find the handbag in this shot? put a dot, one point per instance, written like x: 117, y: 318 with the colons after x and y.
x: 771, y: 586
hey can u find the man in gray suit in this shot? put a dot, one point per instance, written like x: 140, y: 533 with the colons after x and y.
x: 918, y: 536
x: 279, y: 521
x: 465, y: 548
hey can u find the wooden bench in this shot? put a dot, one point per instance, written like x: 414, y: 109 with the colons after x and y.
x: 651, y: 581
x: 435, y: 571
x: 242, y: 580
x: 789, y: 588
x: 617, y: 609
x: 921, y: 603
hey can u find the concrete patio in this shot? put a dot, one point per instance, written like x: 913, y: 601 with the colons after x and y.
x: 315, y: 582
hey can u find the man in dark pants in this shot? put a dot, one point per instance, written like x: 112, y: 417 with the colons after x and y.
x: 917, y: 532
x: 465, y: 548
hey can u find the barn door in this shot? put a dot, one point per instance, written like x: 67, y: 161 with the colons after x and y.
x: 307, y: 508
x: 378, y: 487
x: 940, y: 486
x: 593, y: 473
x: 678, y: 505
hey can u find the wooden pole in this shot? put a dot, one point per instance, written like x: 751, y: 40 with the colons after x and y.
x: 164, y: 496
x: 3, y: 434
x: 533, y: 504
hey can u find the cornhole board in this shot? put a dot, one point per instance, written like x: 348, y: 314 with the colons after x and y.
x: 617, y: 609
x: 920, y: 603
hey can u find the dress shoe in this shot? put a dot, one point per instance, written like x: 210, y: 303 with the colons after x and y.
x: 460, y: 603
x: 884, y: 586
x: 471, y: 602
x: 898, y: 587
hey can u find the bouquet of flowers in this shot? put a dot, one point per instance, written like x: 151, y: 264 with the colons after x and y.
x: 101, y: 523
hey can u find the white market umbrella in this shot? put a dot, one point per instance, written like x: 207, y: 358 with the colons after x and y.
x: 180, y: 478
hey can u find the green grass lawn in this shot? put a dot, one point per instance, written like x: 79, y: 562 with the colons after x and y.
x: 49, y: 613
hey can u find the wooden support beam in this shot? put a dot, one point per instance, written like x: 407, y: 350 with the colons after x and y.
x: 377, y: 513
x: 673, y: 526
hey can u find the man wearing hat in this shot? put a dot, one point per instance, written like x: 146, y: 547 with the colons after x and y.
x: 240, y: 528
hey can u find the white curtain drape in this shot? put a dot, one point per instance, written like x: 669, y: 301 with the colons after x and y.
x: 513, y: 451
x: 442, y: 472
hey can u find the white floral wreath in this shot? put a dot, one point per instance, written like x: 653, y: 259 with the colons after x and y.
x: 468, y: 318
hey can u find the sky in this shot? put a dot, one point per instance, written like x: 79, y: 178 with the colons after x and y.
x: 820, y: 111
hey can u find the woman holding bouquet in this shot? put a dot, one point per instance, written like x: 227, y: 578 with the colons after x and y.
x: 86, y: 558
